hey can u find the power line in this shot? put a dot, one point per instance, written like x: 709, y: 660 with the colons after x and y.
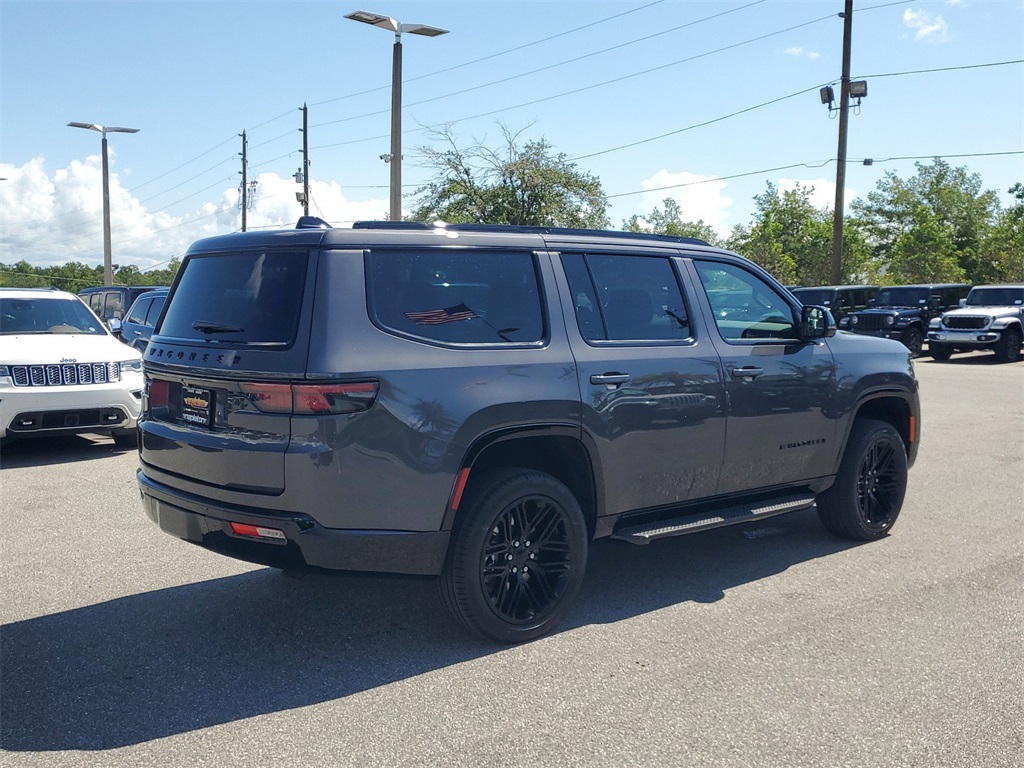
x: 493, y: 55
x: 547, y: 67
x: 594, y: 85
x: 944, y: 69
x: 723, y: 178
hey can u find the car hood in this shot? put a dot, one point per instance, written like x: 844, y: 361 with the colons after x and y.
x: 989, y: 311
x: 50, y: 348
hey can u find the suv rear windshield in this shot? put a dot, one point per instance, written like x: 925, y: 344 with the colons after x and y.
x: 238, y: 298
x: 902, y: 297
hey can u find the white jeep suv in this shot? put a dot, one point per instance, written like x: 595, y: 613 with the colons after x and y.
x: 992, y: 317
x: 61, y: 371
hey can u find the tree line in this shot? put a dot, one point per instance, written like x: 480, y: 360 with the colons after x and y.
x: 939, y: 225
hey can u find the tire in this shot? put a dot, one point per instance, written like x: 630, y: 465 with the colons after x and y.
x: 867, y: 496
x: 914, y: 341
x: 941, y: 352
x: 126, y: 439
x: 1008, y: 347
x: 517, y: 558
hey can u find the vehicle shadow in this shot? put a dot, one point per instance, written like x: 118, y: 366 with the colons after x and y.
x: 175, y: 660
x: 64, y: 449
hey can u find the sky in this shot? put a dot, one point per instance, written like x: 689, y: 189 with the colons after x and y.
x: 704, y: 102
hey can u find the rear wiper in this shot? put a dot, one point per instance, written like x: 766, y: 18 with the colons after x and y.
x: 205, y: 326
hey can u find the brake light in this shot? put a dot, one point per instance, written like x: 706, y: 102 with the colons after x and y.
x: 158, y: 393
x: 308, y: 399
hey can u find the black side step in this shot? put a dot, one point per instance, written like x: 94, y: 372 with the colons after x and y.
x: 704, y: 521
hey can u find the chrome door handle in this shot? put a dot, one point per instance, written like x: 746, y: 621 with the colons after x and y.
x: 747, y: 373
x: 609, y: 378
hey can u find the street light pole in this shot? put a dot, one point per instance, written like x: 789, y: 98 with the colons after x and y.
x: 108, y: 269
x: 395, y: 158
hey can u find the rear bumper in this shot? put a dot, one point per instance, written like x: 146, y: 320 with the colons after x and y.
x: 306, y: 543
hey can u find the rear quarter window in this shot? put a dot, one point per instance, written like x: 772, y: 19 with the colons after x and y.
x: 238, y: 298
x: 456, y: 296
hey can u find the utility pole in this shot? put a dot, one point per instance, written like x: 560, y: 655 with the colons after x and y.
x: 305, y: 160
x: 844, y: 110
x: 245, y: 177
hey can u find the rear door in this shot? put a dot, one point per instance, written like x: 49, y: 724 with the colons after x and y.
x: 781, y: 419
x: 651, y: 381
x: 235, y: 325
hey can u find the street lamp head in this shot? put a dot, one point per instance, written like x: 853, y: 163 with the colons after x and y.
x: 374, y: 19
x: 422, y: 29
x: 386, y: 22
x: 102, y: 129
x: 858, y: 89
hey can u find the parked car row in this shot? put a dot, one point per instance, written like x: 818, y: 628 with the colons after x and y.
x: 951, y: 317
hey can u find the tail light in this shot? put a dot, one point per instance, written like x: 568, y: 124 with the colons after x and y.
x: 157, y: 392
x: 312, y: 399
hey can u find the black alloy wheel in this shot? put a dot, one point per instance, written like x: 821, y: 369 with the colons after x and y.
x: 867, y: 495
x: 1008, y: 348
x: 518, y: 557
x: 914, y: 341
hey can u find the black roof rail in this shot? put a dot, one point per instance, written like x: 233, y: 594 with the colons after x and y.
x: 311, y: 222
x: 524, y: 229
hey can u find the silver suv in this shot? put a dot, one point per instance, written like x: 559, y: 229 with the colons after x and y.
x: 479, y: 403
x: 991, y: 317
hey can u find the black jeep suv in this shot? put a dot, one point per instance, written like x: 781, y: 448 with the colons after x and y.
x: 903, y: 312
x: 478, y: 403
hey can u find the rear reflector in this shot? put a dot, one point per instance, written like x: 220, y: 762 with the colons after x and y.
x: 307, y: 399
x: 258, y: 531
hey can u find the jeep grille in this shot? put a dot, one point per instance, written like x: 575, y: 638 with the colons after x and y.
x: 871, y: 322
x: 970, y: 323
x: 64, y: 374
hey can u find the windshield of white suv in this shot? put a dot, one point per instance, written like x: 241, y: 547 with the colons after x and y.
x: 995, y: 297
x: 904, y: 296
x: 49, y: 315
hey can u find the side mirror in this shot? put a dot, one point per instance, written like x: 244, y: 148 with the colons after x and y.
x: 816, y: 323
x: 935, y: 302
x: 871, y: 302
x: 114, y: 324
x: 962, y: 302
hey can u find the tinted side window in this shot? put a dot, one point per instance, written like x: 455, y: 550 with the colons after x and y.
x: 456, y: 296
x: 744, y: 305
x: 246, y: 298
x: 627, y: 298
x: 96, y: 302
x: 155, y: 305
x: 138, y: 312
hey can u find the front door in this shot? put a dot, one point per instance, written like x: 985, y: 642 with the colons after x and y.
x: 781, y: 426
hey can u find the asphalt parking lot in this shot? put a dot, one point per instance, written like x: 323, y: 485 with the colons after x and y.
x: 771, y: 645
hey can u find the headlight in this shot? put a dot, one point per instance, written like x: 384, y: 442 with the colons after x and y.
x: 890, y: 320
x: 844, y: 321
x: 4, y: 370
x: 853, y: 320
x: 131, y: 365
x: 934, y: 322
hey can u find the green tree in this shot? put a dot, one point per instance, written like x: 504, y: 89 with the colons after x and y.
x: 1002, y: 251
x: 951, y: 207
x: 669, y: 221
x: 520, y: 183
x: 792, y: 238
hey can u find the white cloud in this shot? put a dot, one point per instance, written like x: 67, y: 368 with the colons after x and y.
x: 52, y: 219
x: 702, y: 199
x: 927, y: 27
x: 823, y: 191
x: 799, y: 51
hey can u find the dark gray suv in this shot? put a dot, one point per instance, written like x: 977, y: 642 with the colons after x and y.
x: 478, y: 403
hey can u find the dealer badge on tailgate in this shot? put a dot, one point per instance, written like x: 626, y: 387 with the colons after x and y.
x: 195, y: 405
